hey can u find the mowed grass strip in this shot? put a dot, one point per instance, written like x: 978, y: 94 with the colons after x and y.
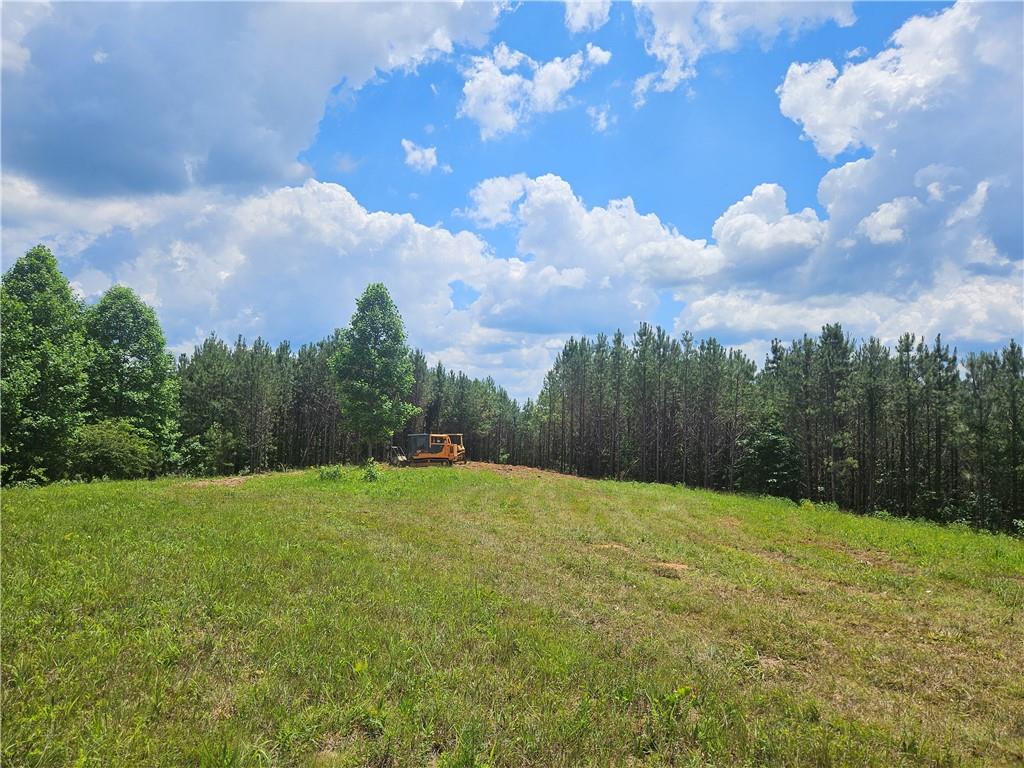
x: 469, y: 617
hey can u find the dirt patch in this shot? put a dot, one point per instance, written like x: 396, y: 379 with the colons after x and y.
x: 670, y: 570
x: 515, y: 470
x: 228, y: 481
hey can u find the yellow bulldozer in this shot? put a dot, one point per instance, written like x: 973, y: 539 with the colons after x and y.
x: 425, y: 449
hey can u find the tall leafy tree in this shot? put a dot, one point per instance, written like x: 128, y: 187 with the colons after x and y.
x: 374, y: 369
x: 131, y: 375
x: 44, y: 368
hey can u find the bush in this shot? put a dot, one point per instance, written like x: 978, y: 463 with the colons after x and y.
x: 330, y: 473
x: 116, y: 449
x: 212, y: 453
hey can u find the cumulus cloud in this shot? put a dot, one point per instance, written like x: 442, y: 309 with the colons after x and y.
x: 921, y: 234
x: 885, y: 224
x: 605, y: 264
x: 930, y: 57
x: 69, y: 224
x: 678, y: 34
x: 493, y: 200
x: 939, y: 115
x: 422, y: 159
x: 969, y: 306
x: 586, y: 15
x: 241, y: 86
x: 924, y: 233
x: 505, y: 89
x: 759, y: 229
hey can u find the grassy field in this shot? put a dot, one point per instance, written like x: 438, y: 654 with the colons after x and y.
x: 458, y: 617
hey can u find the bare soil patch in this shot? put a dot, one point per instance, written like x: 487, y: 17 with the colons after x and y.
x: 515, y: 470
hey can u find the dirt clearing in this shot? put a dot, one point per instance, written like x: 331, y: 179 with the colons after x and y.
x: 516, y: 470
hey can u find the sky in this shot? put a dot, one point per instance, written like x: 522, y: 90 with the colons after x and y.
x: 518, y: 174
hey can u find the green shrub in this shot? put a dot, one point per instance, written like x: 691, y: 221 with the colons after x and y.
x: 212, y: 453
x: 371, y: 471
x: 116, y: 449
x: 330, y: 473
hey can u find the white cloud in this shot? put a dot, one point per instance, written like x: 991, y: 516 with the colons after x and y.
x: 759, y: 229
x: 939, y: 113
x: 678, y: 34
x: 100, y: 56
x: 422, y: 159
x: 493, y: 200
x: 89, y: 283
x: 597, y: 56
x: 69, y: 225
x: 967, y: 306
x: 972, y: 206
x: 607, y: 263
x: 505, y: 89
x: 242, y: 86
x: 930, y: 55
x: 288, y: 264
x: 18, y: 19
x: 885, y: 225
x: 922, y: 233
x: 586, y: 15
x: 983, y: 251
x: 244, y: 264
x: 600, y: 117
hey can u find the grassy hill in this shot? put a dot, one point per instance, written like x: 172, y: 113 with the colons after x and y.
x: 470, y: 616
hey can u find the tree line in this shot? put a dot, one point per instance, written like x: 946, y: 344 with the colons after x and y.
x: 914, y: 430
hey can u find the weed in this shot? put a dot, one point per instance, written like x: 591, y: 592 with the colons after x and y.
x: 333, y: 472
x: 371, y: 471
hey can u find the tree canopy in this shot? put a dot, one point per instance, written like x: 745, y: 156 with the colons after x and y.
x: 374, y: 368
x: 130, y: 373
x: 44, y: 359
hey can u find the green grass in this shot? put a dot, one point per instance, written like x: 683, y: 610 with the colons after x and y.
x: 458, y: 617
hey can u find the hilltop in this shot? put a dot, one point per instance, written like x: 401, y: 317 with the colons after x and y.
x: 474, y: 617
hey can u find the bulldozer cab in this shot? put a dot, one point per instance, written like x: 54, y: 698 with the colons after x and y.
x: 424, y: 443
x: 416, y: 444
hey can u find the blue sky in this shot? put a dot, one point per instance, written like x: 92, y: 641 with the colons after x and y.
x: 517, y: 175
